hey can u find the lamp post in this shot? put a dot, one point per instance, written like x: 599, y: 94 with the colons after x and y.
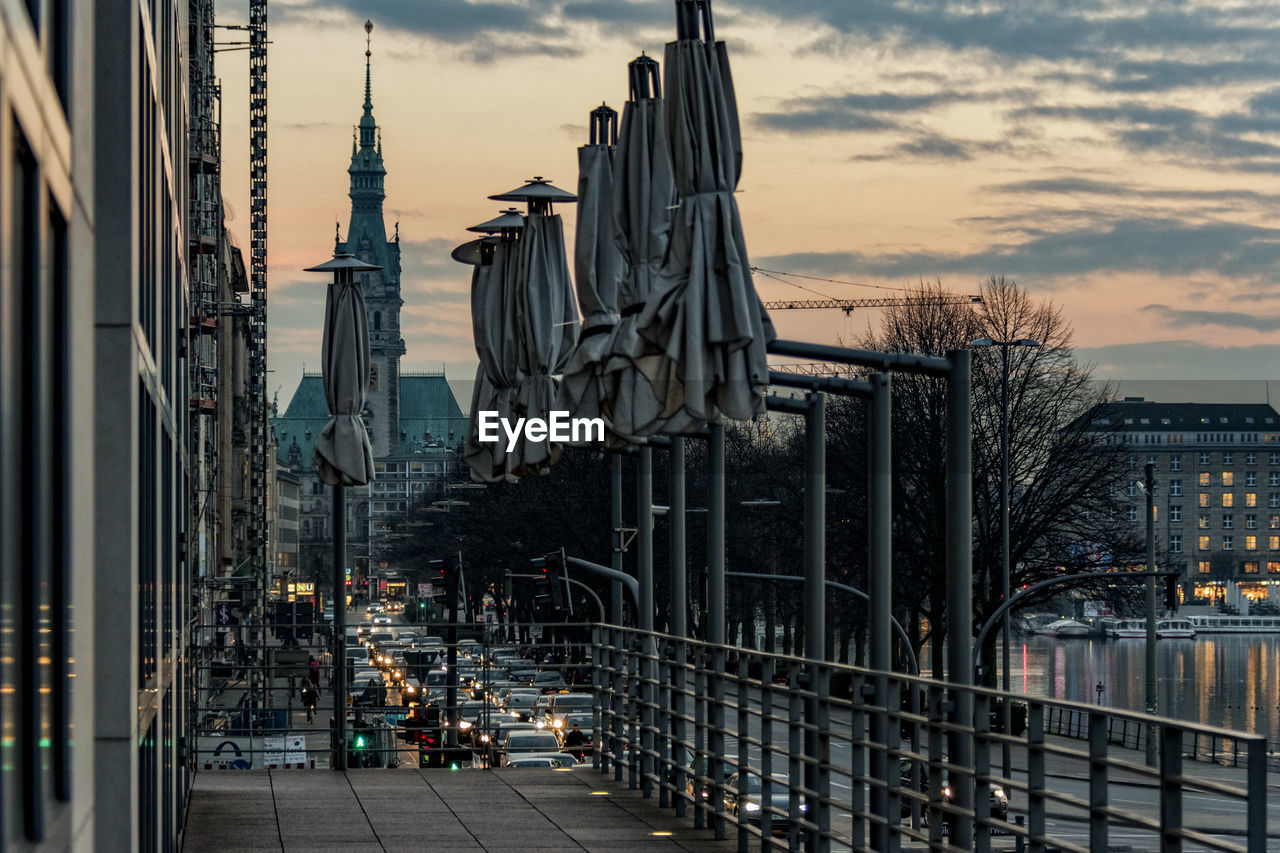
x: 1005, y: 711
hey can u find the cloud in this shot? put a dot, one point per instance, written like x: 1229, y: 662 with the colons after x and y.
x: 1181, y: 318
x: 1195, y: 360
x: 1160, y: 245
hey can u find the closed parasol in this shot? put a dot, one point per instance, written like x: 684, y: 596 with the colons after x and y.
x: 706, y: 315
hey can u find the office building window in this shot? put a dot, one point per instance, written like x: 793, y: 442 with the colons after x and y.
x: 1228, y: 458
x: 1228, y: 521
x: 1273, y: 567
x: 1273, y: 500
x: 1202, y: 521
x: 1175, y: 488
x: 1251, y: 478
x: 1251, y: 459
x: 1228, y: 478
x: 1251, y: 543
x: 1203, y: 543
x: 1151, y: 460
x: 1228, y: 543
x: 1133, y: 513
x: 1204, y: 478
x: 1228, y: 499
x: 1250, y: 567
x: 1133, y: 463
x: 1204, y: 499
x: 1175, y: 463
x: 1273, y: 543
x: 1175, y: 543
x: 1132, y: 489
x: 1250, y: 521
x: 1203, y: 567
x: 1273, y: 479
x: 1175, y: 513
x: 1250, y: 498
x: 1274, y: 459
x: 1204, y: 458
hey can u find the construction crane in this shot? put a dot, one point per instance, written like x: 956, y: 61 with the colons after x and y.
x: 849, y: 305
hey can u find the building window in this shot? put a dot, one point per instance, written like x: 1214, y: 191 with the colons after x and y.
x: 1273, y: 567
x: 1251, y: 543
x: 1273, y: 479
x: 1132, y: 489
x: 1202, y: 521
x: 1273, y: 500
x: 1133, y: 463
x: 1250, y: 567
x: 1175, y: 463
x: 1274, y: 459
x: 1151, y: 460
x: 1228, y: 543
x: 1228, y: 499
x: 1228, y: 457
x: 1175, y: 513
x: 1250, y: 498
x: 1175, y: 488
x: 1250, y: 521
x: 1251, y: 459
x: 1228, y: 478
x: 1203, y: 543
x: 1175, y: 543
x: 1204, y: 458
x: 1204, y: 499
x: 1251, y: 478
x: 1202, y: 566
x: 1133, y: 513
x: 1228, y: 521
x: 1204, y: 478
x: 1273, y: 543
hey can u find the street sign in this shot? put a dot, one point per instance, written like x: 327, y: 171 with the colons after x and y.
x: 223, y: 613
x: 425, y: 590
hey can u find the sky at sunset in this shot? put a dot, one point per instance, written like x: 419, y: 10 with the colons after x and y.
x: 1119, y: 158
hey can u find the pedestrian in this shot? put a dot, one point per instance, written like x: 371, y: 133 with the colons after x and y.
x: 314, y: 666
x: 309, y: 699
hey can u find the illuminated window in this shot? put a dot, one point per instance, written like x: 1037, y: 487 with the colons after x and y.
x: 1204, y: 478
x: 1273, y: 567
x: 1175, y: 543
x: 1204, y: 499
x: 1251, y: 543
x: 1203, y: 543
x: 1228, y: 543
x: 1228, y: 478
x: 1203, y: 567
x: 1273, y: 543
x: 1250, y: 567
x: 1273, y: 521
x: 1228, y: 499
x: 1202, y: 521
x: 1250, y: 498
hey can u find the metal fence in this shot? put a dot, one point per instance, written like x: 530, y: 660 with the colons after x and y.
x: 785, y: 752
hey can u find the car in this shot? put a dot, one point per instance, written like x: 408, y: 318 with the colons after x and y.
x: 559, y: 705
x: 382, y: 620
x: 523, y: 742
x: 997, y: 796
x: 542, y: 759
x: 520, y: 706
x: 368, y: 688
x: 549, y: 682
x: 746, y: 798
x: 363, y: 630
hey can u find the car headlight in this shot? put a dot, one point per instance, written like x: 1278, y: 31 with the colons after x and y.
x: 409, y: 688
x: 396, y: 674
x: 804, y: 807
x: 753, y: 807
x: 540, y: 724
x: 558, y: 724
x: 946, y: 792
x: 464, y: 725
x: 484, y: 738
x: 998, y: 793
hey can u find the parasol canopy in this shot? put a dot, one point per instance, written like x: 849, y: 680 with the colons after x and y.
x: 343, y: 455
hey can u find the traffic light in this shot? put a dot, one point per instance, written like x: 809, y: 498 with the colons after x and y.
x: 437, y: 576
x: 543, y: 602
x: 358, y: 752
x: 1171, y: 592
x: 558, y: 576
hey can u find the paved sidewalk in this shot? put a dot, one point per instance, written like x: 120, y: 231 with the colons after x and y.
x: 381, y: 810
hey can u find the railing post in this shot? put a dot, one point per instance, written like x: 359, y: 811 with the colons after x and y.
x: 681, y: 728
x: 937, y: 716
x: 880, y: 586
x: 1170, y: 788
x: 1097, y: 781
x: 662, y: 744
x: 621, y: 704
x: 1256, y: 794
x: 767, y: 675
x: 820, y: 807
x: 1035, y: 776
x: 719, y: 662
x: 959, y: 510
x: 700, y: 739
x: 795, y: 748
x: 743, y: 754
x: 981, y: 773
x: 597, y: 698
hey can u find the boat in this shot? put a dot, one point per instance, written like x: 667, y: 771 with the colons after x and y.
x: 1224, y: 624
x: 1065, y: 628
x: 1136, y: 629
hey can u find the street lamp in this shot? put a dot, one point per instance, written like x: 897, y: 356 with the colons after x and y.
x: 1005, y: 711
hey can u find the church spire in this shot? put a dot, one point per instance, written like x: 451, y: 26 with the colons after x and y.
x: 366, y: 170
x: 368, y: 58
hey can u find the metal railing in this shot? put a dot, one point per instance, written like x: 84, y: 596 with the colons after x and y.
x: 785, y: 752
